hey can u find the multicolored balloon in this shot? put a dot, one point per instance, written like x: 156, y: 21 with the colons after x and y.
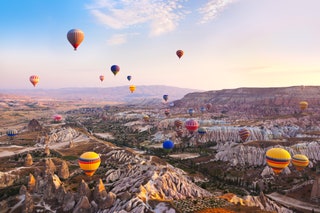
x: 178, y: 123
x: 89, y: 162
x: 244, y: 134
x: 202, y: 109
x: 179, y: 53
x: 300, y: 161
x: 168, y: 144
x: 115, y: 69
x: 129, y: 77
x: 146, y: 118
x: 34, y: 79
x: 167, y: 112
x: 278, y: 159
x: 11, y: 132
x: 202, y: 130
x: 101, y: 77
x: 191, y: 125
x: 132, y: 88
x: 75, y: 37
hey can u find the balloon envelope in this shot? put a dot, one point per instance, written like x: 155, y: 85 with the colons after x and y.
x: 115, y: 69
x: 179, y: 53
x: 278, y: 159
x: 191, y: 125
x: 178, y: 123
x: 303, y: 105
x: 202, y: 130
x: 12, y: 132
x: 132, y: 88
x: 129, y: 77
x: 244, y: 134
x: 167, y: 144
x: 34, y: 79
x: 300, y: 161
x: 75, y: 37
x: 57, y: 118
x: 165, y: 97
x: 191, y: 112
x: 89, y: 162
x: 101, y: 77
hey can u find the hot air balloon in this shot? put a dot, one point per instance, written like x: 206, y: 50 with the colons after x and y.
x: 75, y: 37
x: 34, y: 79
x: 132, y: 88
x: 167, y: 112
x: 300, y: 161
x: 165, y: 97
x: 191, y: 125
x: 168, y: 144
x: 11, y: 133
x: 57, y: 118
x: 303, y: 105
x: 202, y: 109
x: 115, y: 69
x: 146, y: 118
x: 129, y: 77
x: 191, y: 111
x: 179, y: 53
x: 101, y: 77
x: 278, y: 159
x: 89, y: 162
x: 178, y: 123
x: 202, y: 130
x: 171, y: 104
x: 244, y: 134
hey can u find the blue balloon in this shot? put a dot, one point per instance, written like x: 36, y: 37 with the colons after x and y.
x: 168, y: 144
x: 129, y: 77
x: 165, y: 97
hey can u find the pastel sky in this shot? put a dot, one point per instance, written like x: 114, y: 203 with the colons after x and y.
x: 226, y: 43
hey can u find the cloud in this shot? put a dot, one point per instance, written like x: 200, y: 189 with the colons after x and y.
x: 117, y: 39
x: 212, y: 8
x: 161, y: 16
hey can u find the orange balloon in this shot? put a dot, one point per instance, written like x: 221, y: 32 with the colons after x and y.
x: 34, y: 79
x: 101, y: 77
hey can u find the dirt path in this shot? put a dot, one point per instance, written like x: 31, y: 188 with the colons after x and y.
x: 291, y: 202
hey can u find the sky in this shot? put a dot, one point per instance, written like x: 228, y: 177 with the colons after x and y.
x: 226, y: 43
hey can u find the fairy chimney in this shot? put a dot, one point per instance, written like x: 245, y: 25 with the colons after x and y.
x: 64, y: 171
x: 28, y: 160
x: 34, y: 125
x: 47, y: 150
x: 31, y: 183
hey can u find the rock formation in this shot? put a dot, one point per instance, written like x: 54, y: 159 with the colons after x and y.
x: 31, y: 183
x: 50, y: 167
x: 315, y: 192
x: 47, y: 150
x: 64, y: 171
x: 28, y: 160
x: 34, y: 125
x: 28, y: 205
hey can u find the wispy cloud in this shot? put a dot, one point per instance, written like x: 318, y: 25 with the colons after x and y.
x: 161, y: 16
x: 212, y: 8
x: 117, y: 39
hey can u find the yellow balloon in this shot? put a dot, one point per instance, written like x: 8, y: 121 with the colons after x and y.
x: 89, y: 162
x: 278, y: 159
x: 132, y: 88
x: 303, y: 105
x: 300, y: 161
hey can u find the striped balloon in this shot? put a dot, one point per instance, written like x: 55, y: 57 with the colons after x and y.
x: 300, y: 161
x: 278, y: 159
x: 244, y: 134
x: 191, y: 125
x: 178, y: 123
x: 12, y: 132
x: 34, y: 79
x: 202, y: 130
x: 89, y: 162
x: 75, y: 37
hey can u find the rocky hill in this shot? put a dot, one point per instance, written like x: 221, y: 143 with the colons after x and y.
x: 265, y: 101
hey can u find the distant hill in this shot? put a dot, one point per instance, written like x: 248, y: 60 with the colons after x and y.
x: 143, y: 94
x: 254, y: 100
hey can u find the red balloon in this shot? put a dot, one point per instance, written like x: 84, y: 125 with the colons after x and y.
x: 75, y: 37
x: 244, y: 134
x: 179, y: 53
x: 191, y: 125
